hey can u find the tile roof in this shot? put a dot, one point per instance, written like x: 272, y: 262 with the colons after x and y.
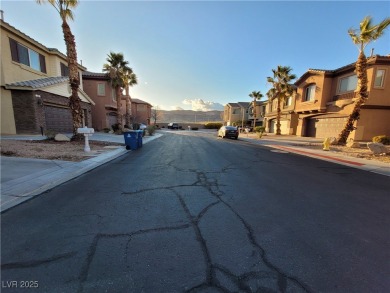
x: 94, y: 74
x: 233, y: 104
x: 38, y: 83
x: 139, y: 101
x: 244, y: 104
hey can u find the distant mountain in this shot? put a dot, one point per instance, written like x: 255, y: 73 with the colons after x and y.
x: 181, y: 116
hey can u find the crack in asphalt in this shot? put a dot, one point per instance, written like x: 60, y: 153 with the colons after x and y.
x: 37, y: 263
x: 213, y: 188
x: 211, y: 281
x: 92, y: 249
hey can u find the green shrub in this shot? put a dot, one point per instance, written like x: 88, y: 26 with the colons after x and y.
x: 50, y: 134
x: 259, y: 130
x: 151, y: 129
x: 115, y: 127
x: 381, y: 139
x: 213, y: 125
x: 106, y: 130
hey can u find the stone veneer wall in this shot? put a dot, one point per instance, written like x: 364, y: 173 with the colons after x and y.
x: 29, y: 109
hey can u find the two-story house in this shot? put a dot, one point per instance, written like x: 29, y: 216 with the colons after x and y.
x: 141, y: 111
x: 288, y: 118
x: 35, y: 86
x: 233, y: 113
x: 243, y: 112
x: 259, y: 111
x: 104, y: 113
x: 325, y: 98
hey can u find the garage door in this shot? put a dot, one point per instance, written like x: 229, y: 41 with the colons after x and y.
x: 283, y: 127
x: 272, y: 126
x: 111, y: 119
x: 325, y: 127
x: 58, y: 119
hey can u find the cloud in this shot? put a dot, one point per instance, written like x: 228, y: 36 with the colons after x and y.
x: 200, y: 105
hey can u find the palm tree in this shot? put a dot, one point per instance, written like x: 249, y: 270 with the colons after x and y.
x: 129, y: 79
x: 255, y: 96
x: 117, y: 68
x: 64, y: 8
x: 361, y: 37
x: 281, y: 89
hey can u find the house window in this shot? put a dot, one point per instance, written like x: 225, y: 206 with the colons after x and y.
x: 287, y: 102
x: 101, y: 89
x: 113, y: 95
x: 275, y: 104
x: 27, y: 56
x: 379, y: 78
x: 141, y: 108
x: 64, y: 69
x: 348, y: 84
x: 310, y: 92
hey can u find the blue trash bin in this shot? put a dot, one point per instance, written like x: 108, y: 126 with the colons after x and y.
x: 131, y: 139
x: 140, y: 135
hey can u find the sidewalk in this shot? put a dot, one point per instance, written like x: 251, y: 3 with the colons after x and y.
x: 23, y: 178
x: 290, y: 143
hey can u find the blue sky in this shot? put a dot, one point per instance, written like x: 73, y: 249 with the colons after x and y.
x: 204, y: 54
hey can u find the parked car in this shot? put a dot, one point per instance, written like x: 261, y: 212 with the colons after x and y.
x: 173, y: 125
x: 228, y: 131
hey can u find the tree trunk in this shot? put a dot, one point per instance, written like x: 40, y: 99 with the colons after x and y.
x: 74, y: 81
x: 278, y: 132
x: 362, y: 95
x: 119, y: 107
x: 128, y: 107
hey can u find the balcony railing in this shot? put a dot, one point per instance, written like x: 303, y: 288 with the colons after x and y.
x: 345, y: 96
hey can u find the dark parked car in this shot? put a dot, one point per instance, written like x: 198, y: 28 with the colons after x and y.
x: 173, y: 125
x: 228, y: 131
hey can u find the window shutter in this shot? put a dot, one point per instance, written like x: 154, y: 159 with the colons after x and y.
x: 42, y: 62
x: 14, y: 50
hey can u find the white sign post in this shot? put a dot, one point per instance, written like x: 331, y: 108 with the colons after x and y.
x: 87, y: 133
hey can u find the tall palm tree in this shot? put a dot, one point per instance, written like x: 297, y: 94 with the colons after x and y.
x: 129, y: 79
x: 281, y: 89
x: 255, y: 96
x: 361, y: 38
x: 117, y: 68
x: 64, y: 8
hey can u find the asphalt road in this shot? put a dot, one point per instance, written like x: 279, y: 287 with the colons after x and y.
x: 190, y: 212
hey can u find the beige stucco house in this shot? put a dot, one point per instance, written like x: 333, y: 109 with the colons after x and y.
x: 34, y: 86
x: 325, y: 98
x: 243, y: 111
x: 288, y: 118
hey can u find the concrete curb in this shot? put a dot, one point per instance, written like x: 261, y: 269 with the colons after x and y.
x: 14, y: 194
x: 363, y: 164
